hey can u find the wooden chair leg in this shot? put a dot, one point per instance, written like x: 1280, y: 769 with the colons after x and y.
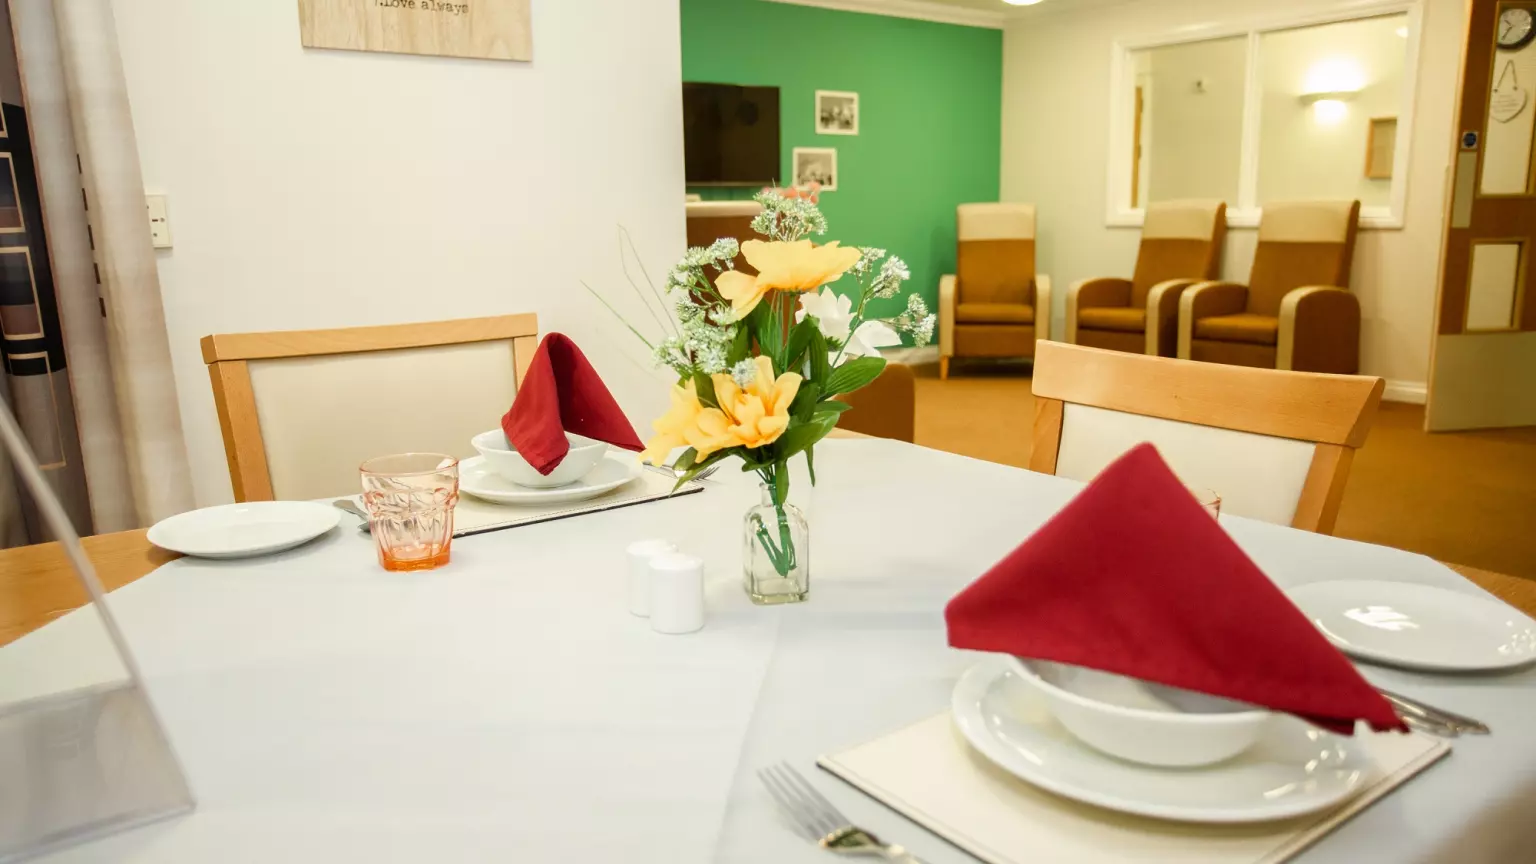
x: 943, y: 368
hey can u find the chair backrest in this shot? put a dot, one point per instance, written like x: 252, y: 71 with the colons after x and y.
x: 709, y: 221
x: 1179, y: 240
x: 1301, y: 243
x: 1274, y: 445
x: 995, y: 253
x: 301, y: 409
x: 887, y: 408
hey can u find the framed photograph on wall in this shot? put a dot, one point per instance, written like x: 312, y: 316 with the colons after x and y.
x: 815, y: 165
x: 837, y: 113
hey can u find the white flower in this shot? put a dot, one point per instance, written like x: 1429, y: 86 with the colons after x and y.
x: 833, y: 314
x: 869, y: 339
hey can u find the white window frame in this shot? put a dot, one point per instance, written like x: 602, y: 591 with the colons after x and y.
x: 1245, y: 211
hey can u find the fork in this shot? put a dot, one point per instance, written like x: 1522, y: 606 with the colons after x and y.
x: 818, y: 821
x: 1412, y: 711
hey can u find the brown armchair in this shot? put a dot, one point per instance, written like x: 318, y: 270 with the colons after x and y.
x: 988, y: 308
x: 1296, y: 311
x: 1180, y: 245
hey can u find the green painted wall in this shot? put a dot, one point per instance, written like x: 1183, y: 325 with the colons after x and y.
x: 930, y: 115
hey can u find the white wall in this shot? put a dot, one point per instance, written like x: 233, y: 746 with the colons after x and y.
x: 1197, y: 128
x: 1056, y: 134
x: 312, y: 188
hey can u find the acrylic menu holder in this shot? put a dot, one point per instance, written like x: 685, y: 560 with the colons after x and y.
x: 82, y: 751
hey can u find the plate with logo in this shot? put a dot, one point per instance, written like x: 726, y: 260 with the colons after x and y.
x: 1418, y: 626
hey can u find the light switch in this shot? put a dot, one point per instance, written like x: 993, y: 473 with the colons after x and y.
x: 159, y: 221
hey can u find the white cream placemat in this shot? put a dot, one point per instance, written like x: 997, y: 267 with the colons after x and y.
x: 929, y: 774
x: 474, y: 516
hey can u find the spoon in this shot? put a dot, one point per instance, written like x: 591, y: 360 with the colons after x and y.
x: 346, y: 504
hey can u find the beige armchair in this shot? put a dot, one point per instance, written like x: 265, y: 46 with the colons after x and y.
x: 1296, y: 311
x: 995, y: 305
x: 1180, y: 246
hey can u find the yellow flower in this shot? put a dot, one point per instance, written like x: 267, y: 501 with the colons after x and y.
x: 760, y: 413
x: 783, y: 266
x: 687, y: 422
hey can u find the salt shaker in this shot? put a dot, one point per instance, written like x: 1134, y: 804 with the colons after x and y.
x: 640, y: 554
x: 677, y: 593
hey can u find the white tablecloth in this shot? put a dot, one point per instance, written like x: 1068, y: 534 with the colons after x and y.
x: 509, y: 708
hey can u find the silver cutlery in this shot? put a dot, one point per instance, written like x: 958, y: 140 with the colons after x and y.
x: 347, y: 505
x: 1430, y: 715
x: 818, y: 821
x: 672, y: 470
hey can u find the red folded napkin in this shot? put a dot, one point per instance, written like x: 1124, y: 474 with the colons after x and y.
x: 562, y: 393
x: 1135, y: 578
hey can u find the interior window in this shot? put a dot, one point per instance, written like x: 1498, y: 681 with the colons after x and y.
x: 1190, y: 120
x: 1323, y: 87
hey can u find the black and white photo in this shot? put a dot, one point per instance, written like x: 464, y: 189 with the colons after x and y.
x: 815, y: 165
x: 837, y: 113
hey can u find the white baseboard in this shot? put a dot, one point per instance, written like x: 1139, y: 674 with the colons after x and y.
x: 1412, y: 392
x: 912, y: 356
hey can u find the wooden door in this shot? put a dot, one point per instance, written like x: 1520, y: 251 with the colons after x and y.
x: 1483, y: 365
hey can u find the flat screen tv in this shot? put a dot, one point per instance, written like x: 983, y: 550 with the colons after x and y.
x: 730, y: 134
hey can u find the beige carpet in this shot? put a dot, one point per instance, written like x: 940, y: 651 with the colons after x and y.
x: 1466, y: 497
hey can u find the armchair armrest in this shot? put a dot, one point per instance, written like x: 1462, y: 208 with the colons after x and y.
x: 1207, y: 300
x: 1042, y: 306
x: 1163, y: 316
x: 1319, y: 330
x: 947, y: 316
x: 1094, y: 293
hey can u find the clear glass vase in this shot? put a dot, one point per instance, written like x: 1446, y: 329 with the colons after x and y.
x: 776, y: 552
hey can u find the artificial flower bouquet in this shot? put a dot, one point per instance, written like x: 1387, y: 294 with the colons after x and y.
x: 762, y: 359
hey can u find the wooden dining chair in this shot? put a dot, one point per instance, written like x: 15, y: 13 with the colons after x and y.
x: 301, y: 409
x: 1275, y: 445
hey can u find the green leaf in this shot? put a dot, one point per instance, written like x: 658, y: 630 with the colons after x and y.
x: 799, y: 340
x: 770, y: 339
x: 698, y: 468
x: 741, y: 346
x: 705, y: 386
x: 833, y: 407
x: 810, y: 463
x: 805, y: 401
x: 803, y: 436
x: 781, y: 485
x: 821, y: 365
x: 854, y: 374
x: 685, y: 461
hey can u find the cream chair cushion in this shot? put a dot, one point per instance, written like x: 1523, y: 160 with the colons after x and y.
x: 1257, y: 476
x: 321, y: 417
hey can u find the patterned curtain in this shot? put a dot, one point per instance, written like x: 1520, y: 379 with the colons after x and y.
x: 36, y: 382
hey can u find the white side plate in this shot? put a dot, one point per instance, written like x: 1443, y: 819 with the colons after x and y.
x: 477, y: 479
x: 244, y: 530
x: 1417, y: 626
x: 1292, y: 769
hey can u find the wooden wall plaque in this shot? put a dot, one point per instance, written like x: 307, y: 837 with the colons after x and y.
x: 486, y: 29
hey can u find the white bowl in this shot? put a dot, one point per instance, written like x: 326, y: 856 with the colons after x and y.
x: 504, y: 459
x: 1144, y: 722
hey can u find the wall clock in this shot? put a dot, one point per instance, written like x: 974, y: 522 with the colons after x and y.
x: 1516, y: 27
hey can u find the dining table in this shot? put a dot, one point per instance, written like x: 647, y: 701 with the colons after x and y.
x: 509, y: 707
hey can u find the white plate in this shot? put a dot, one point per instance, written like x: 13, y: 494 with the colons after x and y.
x: 1292, y: 769
x: 244, y: 530
x: 1417, y: 626
x: 477, y: 479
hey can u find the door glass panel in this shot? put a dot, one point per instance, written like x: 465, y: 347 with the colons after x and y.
x: 1323, y: 87
x: 1507, y: 138
x: 1491, y: 285
x: 1191, y: 120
